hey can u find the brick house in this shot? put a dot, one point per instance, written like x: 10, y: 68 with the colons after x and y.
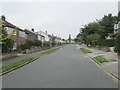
x: 19, y: 37
x: 31, y: 35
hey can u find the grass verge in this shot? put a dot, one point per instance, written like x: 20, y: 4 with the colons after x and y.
x: 49, y: 51
x: 16, y: 64
x: 100, y: 59
x: 85, y: 50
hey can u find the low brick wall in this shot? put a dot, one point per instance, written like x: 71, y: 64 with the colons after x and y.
x: 33, y: 50
x: 36, y: 49
x: 8, y: 55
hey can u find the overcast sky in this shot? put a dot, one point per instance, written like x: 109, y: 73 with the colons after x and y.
x: 58, y: 18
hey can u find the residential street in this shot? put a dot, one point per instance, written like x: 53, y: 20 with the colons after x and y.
x: 67, y: 67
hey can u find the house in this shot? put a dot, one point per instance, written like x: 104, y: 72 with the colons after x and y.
x: 40, y: 37
x: 45, y: 35
x: 31, y: 35
x: 57, y: 40
x: 51, y: 39
x: 54, y: 40
x: 19, y: 37
x: 116, y: 26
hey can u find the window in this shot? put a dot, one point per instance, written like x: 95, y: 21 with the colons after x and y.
x: 9, y: 30
x: 22, y: 34
x: 14, y: 46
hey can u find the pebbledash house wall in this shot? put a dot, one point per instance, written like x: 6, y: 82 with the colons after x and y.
x: 19, y: 37
x: 45, y: 34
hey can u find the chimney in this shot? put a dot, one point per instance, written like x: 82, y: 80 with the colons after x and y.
x: 3, y: 17
x: 46, y: 32
x: 32, y: 29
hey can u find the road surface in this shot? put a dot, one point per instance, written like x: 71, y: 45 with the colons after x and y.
x: 67, y: 67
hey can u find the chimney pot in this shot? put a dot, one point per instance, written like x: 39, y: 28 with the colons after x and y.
x: 32, y: 29
x: 3, y: 17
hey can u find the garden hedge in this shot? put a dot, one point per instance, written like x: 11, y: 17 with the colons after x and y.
x: 106, y: 42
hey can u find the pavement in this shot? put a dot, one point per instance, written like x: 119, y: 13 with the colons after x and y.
x: 21, y: 56
x: 112, y: 57
x: 67, y: 67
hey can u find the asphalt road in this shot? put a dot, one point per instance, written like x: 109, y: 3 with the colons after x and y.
x: 67, y: 67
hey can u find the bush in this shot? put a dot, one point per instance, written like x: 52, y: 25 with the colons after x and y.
x: 106, y: 42
x: 37, y: 43
x: 7, y: 46
x: 117, y: 44
x: 23, y: 46
x: 92, y: 39
x: 46, y: 44
x: 29, y: 44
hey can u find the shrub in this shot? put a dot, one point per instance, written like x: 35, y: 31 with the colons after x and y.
x: 117, y: 44
x: 106, y: 42
x: 46, y: 44
x: 37, y: 43
x: 92, y: 39
x: 23, y: 46
x: 29, y: 44
x: 7, y: 46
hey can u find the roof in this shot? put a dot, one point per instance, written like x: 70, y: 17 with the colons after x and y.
x: 28, y: 31
x: 43, y: 32
x: 39, y: 34
x: 8, y: 24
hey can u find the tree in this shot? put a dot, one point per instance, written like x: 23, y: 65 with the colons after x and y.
x: 101, y: 27
x: 91, y: 28
x: 92, y: 39
x: 7, y: 44
x: 108, y: 24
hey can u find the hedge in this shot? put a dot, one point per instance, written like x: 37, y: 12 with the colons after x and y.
x: 117, y: 44
x: 106, y: 42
